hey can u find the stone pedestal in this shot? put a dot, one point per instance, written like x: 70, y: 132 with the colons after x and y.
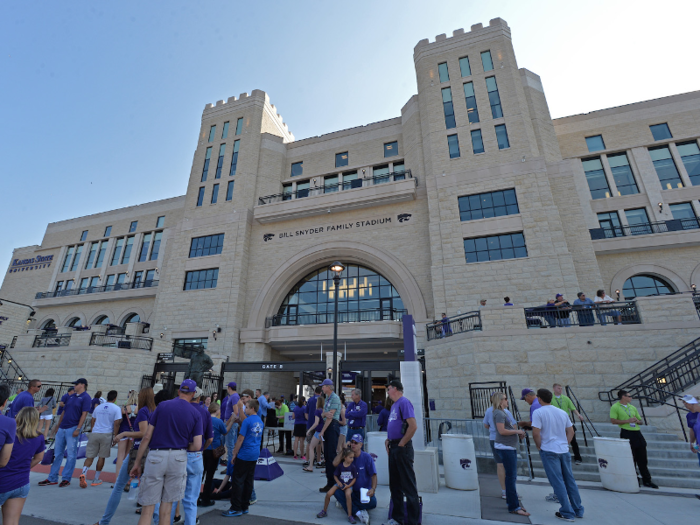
x: 413, y: 391
x: 64, y: 330
x: 134, y: 329
x: 425, y: 465
x: 27, y: 340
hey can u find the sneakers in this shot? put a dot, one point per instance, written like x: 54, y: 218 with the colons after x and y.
x: 322, y: 514
x: 197, y: 522
x: 253, y: 501
x: 46, y: 483
x: 503, y: 494
x: 304, y: 459
x: 651, y: 485
x: 562, y: 517
x: 338, y: 505
x: 578, y: 462
x: 295, y: 456
x: 364, y: 517
x: 351, y: 519
x: 230, y: 513
x: 63, y: 483
x: 392, y: 521
x: 177, y: 519
x: 83, y: 483
x: 96, y: 483
x: 552, y: 498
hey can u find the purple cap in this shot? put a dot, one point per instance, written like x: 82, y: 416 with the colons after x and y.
x: 357, y: 438
x: 525, y: 392
x: 232, y: 384
x: 559, y: 295
x: 188, y: 386
x: 327, y: 382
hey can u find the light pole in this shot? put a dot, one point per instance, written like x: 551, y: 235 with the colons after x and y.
x: 336, y: 268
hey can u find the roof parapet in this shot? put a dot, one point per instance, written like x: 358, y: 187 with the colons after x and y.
x: 495, y: 23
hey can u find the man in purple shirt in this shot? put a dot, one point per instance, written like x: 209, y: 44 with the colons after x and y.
x: 25, y: 399
x: 8, y: 429
x: 402, y: 478
x: 195, y: 462
x: 530, y: 397
x: 226, y: 413
x: 310, y: 411
x: 356, y: 414
x: 174, y: 429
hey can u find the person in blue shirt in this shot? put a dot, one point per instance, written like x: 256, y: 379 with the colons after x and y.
x: 227, y: 411
x: 356, y: 414
x: 263, y: 403
x: 25, y: 399
x: 584, y: 308
x: 221, y: 431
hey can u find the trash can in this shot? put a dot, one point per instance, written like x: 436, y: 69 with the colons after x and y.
x: 615, y: 464
x: 459, y: 460
x: 376, y: 447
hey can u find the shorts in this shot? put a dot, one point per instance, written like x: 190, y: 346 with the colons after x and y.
x: 343, y: 430
x: 496, y: 453
x: 300, y: 430
x: 98, y: 445
x: 48, y: 417
x: 21, y: 492
x: 164, y: 477
x: 132, y: 459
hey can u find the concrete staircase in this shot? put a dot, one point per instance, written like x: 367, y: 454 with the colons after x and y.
x: 671, y: 462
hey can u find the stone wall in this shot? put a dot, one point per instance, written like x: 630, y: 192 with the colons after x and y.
x: 13, y: 321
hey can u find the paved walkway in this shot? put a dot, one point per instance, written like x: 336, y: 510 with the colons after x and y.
x: 294, y: 497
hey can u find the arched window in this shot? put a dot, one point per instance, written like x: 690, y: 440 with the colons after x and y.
x: 49, y: 325
x: 75, y: 322
x: 643, y: 285
x: 103, y: 319
x: 131, y: 318
x: 363, y: 295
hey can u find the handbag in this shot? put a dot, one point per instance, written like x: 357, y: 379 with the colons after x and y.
x: 219, y: 451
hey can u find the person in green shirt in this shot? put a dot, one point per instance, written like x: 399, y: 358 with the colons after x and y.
x: 280, y: 410
x: 627, y: 418
x: 564, y: 403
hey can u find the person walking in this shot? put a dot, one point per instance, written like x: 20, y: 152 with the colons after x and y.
x: 211, y: 460
x: 25, y: 399
x: 356, y: 414
x: 69, y: 426
x: 563, y: 402
x: 174, y: 429
x: 331, y: 429
x: 106, y: 420
x: 491, y: 427
x: 625, y: 415
x: 27, y: 452
x: 552, y: 431
x: 195, y: 461
x: 402, y: 478
x: 46, y: 406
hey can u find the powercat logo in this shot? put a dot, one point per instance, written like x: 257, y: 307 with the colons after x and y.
x: 465, y: 463
x: 404, y: 217
x: 603, y: 463
x: 268, y: 236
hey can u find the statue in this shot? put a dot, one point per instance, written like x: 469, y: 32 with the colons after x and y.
x: 200, y: 362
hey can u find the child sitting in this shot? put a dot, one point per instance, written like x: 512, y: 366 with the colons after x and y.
x: 345, y: 477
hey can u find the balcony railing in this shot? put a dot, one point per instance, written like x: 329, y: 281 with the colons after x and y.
x: 333, y: 188
x: 609, y: 231
x: 358, y: 316
x: 122, y: 341
x: 47, y: 340
x: 624, y: 312
x: 454, y: 325
x: 97, y: 289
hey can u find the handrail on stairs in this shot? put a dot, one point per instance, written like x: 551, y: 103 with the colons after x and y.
x: 651, y: 401
x: 584, y: 422
x: 516, y: 413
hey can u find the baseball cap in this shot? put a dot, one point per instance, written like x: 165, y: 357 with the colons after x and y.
x: 690, y: 399
x: 327, y: 382
x: 398, y: 385
x: 232, y: 384
x: 559, y: 295
x: 198, y: 392
x: 188, y: 385
x: 71, y: 388
x: 81, y: 380
x: 357, y: 438
x: 525, y: 392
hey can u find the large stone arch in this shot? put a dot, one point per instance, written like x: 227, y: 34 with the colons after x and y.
x: 79, y: 315
x: 281, y: 281
x: 108, y: 313
x: 695, y: 276
x: 631, y: 270
x: 129, y: 311
x: 43, y: 320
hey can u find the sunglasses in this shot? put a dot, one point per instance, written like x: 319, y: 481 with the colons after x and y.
x: 355, y: 442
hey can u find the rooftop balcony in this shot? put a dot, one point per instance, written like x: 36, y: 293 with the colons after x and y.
x: 133, y: 290
x: 348, y: 195
x: 97, y: 289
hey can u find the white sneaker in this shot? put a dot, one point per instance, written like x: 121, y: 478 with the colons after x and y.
x: 338, y: 505
x: 392, y: 521
x: 364, y: 517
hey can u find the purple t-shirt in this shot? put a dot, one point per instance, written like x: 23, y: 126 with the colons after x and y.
x: 8, y: 428
x: 143, y: 415
x: 75, y: 406
x: 310, y: 408
x: 346, y: 474
x: 64, y: 398
x: 207, y: 426
x: 299, y: 415
x: 317, y: 413
x: 227, y: 407
x: 176, y: 423
x: 95, y: 402
x: 534, y: 406
x: 401, y: 410
x: 24, y: 399
x: 16, y: 472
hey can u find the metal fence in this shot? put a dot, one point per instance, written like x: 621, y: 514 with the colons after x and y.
x: 609, y: 230
x: 358, y: 316
x: 97, y: 289
x: 122, y: 341
x: 550, y: 316
x: 448, y: 326
x: 480, y: 396
x: 49, y: 340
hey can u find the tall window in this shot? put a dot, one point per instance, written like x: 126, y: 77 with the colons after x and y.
x: 239, y: 126
x: 341, y: 159
x: 477, y: 142
x: 330, y: 184
x: 200, y: 196
x: 109, y: 283
x: 157, y: 237
x: 303, y: 189
x: 595, y: 143
x: 68, y: 259
x: 610, y: 222
x: 133, y: 226
x: 224, y: 132
x: 145, y: 245
x: 160, y: 221
x: 443, y: 73
x: 205, y: 168
x: 494, y: 97
x: 391, y: 149
x: 464, y: 68
x: 685, y: 213
x: 470, y: 99
x: 486, y: 60
x: 76, y: 258
x: 127, y: 250
x: 448, y: 108
x: 690, y: 155
x: 380, y: 174
x: 201, y: 279
x: 595, y: 176
x: 486, y: 205
x: 638, y: 221
x: 207, y: 245
x: 119, y: 245
x: 660, y: 131
x: 121, y: 282
x: 645, y: 285
x: 350, y: 180
x: 220, y: 162
x: 83, y: 236
x: 665, y: 168
x: 495, y: 248
x: 502, y: 137
x: 108, y: 231
x: 622, y: 174
x: 91, y: 255
x: 297, y: 168
x: 229, y: 190
x: 453, y: 146
x: 215, y: 194
x: 212, y: 133
x: 101, y: 254
x: 234, y: 159
x: 150, y: 277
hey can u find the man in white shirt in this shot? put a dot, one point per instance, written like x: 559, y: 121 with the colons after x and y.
x: 602, y: 300
x: 552, y: 431
x: 107, y: 418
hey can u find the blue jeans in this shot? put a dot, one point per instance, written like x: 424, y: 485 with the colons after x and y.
x: 231, y: 438
x: 195, y: 469
x: 64, y: 441
x: 117, y: 491
x: 510, y: 464
x: 558, y: 470
x: 356, y: 503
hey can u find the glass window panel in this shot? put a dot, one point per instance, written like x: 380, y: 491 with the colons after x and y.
x: 212, y: 133
x: 117, y: 251
x: 229, y: 190
x: 495, y: 255
x: 341, y: 159
x: 622, y: 174
x: 76, y: 258
x: 660, y: 131
x: 484, y: 205
x: 502, y: 137
x: 690, y: 155
x: 160, y: 221
x: 645, y: 285
x: 156, y: 245
x: 239, y: 126
x: 665, y: 168
x: 83, y: 235
x: 205, y: 168
x: 506, y: 241
x: 200, y: 196
x: 498, y: 198
x: 391, y: 149
x: 453, y: 146
x: 297, y: 168
x: 234, y: 159
x: 108, y: 231
x: 595, y: 143
x: 127, y: 250
x: 481, y: 244
x: 464, y: 67
x: 101, y: 254
x: 477, y: 142
x: 443, y: 73
x: 200, y: 279
x: 508, y: 253
x: 68, y: 259
x: 597, y: 182
x: 470, y: 100
x: 215, y: 194
x: 145, y: 245
x: 486, y: 60
x: 224, y: 132
x: 448, y: 108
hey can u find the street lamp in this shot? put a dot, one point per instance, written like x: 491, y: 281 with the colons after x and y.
x: 336, y: 268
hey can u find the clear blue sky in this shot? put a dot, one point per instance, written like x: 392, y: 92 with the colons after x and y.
x: 101, y: 101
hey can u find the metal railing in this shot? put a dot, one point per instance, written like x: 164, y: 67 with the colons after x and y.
x: 480, y: 396
x: 586, y: 423
x: 448, y: 326
x: 47, y: 340
x: 516, y: 414
x: 666, y: 378
x: 122, y: 341
x: 333, y: 188
x: 9, y: 369
x: 623, y: 312
x: 435, y: 428
x: 359, y: 316
x: 97, y: 289
x: 609, y: 231
x: 14, y: 342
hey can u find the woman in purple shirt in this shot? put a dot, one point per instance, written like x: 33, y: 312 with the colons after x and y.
x: 299, y: 428
x: 28, y: 451
x: 312, y: 434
